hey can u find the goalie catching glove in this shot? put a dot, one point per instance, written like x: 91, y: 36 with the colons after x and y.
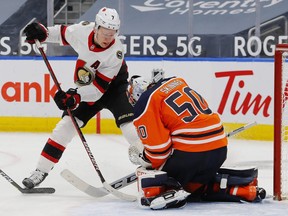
x: 35, y: 31
x: 137, y: 156
x: 69, y: 99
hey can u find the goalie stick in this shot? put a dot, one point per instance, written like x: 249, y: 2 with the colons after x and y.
x: 42, y: 190
x: 80, y: 134
x: 245, y: 127
x: 124, y: 181
x: 94, y: 191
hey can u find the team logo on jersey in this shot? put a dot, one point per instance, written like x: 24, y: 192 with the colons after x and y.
x: 84, y: 76
x: 119, y: 55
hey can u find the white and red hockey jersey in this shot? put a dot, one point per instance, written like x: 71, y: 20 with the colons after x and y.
x: 104, y: 63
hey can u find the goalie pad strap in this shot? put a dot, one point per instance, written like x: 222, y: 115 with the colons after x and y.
x: 224, y: 181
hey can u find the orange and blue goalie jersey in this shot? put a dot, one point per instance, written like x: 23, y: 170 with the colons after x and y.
x: 171, y: 115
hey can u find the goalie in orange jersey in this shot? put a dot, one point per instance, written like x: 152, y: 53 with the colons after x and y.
x: 183, y: 146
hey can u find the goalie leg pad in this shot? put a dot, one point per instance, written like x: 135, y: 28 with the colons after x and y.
x: 245, y: 193
x: 158, y: 191
x: 236, y: 185
x: 170, y: 199
x: 237, y: 176
x: 247, y: 172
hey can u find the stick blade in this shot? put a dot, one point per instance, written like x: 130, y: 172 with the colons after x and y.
x: 93, y: 191
x: 42, y: 190
x: 119, y: 194
x: 82, y: 185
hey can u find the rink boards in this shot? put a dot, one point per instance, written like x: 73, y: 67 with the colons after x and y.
x: 240, y: 90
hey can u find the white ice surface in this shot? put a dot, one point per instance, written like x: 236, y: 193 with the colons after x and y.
x: 19, y: 153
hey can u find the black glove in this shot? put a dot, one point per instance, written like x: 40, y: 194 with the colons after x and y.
x: 69, y: 99
x: 35, y: 31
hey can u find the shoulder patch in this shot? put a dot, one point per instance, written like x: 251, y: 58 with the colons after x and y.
x: 119, y: 54
x: 85, y: 23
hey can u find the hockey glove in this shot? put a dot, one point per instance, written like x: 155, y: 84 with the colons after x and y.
x: 69, y: 99
x: 35, y: 31
x: 137, y: 156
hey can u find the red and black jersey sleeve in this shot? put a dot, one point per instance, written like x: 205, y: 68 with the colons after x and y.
x: 63, y: 38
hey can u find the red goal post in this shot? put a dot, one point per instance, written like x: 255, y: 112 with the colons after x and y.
x: 280, y: 180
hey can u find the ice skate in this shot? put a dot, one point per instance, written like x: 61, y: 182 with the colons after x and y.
x: 35, y: 179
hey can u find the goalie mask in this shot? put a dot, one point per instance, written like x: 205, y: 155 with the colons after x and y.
x: 137, y: 85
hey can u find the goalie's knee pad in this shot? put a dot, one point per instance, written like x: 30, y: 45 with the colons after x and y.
x: 158, y: 191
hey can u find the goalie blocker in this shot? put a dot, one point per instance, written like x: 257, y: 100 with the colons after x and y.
x: 158, y: 191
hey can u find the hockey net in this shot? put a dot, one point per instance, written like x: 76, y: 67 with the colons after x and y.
x: 280, y: 185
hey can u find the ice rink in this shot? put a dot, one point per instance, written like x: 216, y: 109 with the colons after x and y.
x: 19, y: 153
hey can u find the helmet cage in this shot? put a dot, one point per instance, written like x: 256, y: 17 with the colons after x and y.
x: 136, y: 86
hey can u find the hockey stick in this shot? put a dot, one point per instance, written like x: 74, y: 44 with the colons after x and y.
x: 240, y: 129
x: 81, y: 136
x: 26, y: 190
x: 124, y: 181
x: 94, y: 191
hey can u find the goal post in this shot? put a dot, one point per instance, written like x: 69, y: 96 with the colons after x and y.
x: 280, y: 169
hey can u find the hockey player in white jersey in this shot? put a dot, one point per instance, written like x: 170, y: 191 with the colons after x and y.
x: 101, y: 76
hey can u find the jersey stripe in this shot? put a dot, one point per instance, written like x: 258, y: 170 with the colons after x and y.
x: 63, y: 38
x: 192, y: 130
x: 197, y: 142
x: 160, y: 146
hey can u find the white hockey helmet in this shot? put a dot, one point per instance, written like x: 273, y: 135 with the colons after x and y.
x: 107, y: 18
x: 137, y: 85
